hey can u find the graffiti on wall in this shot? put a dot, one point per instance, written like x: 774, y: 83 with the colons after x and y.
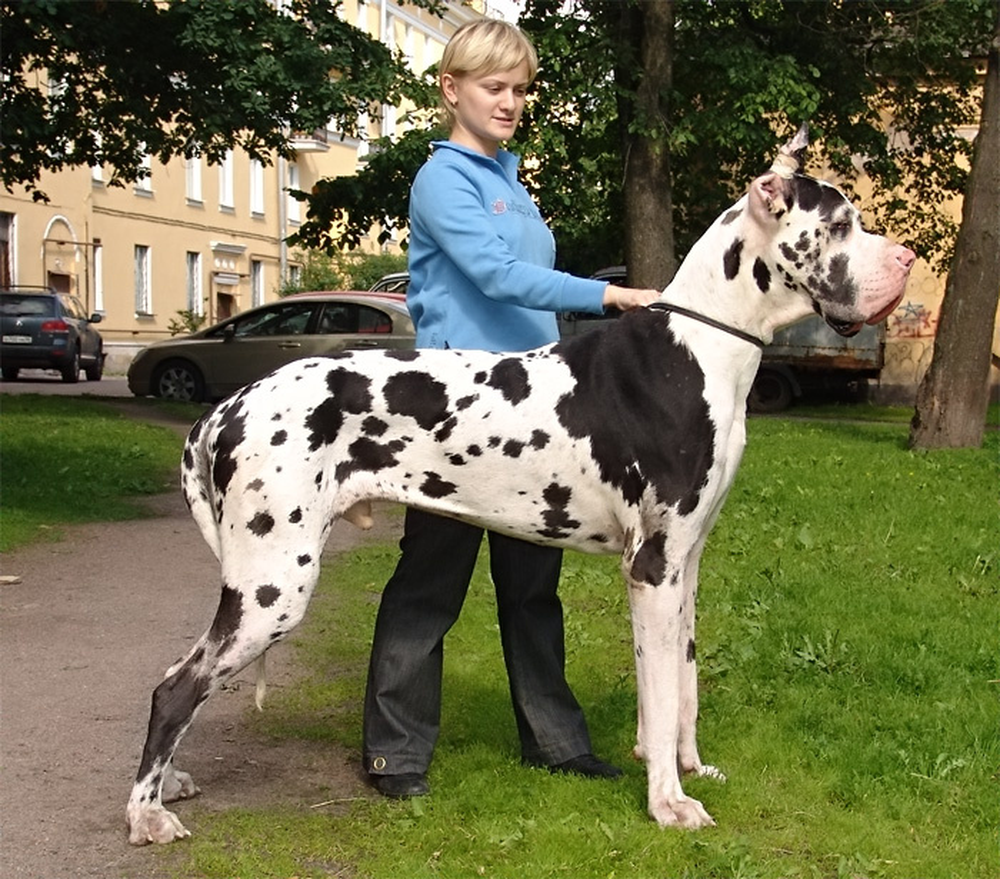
x: 911, y: 320
x: 909, y: 343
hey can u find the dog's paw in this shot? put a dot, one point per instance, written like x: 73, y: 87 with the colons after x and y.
x: 155, y: 824
x: 683, y: 812
x: 178, y: 785
x: 706, y: 770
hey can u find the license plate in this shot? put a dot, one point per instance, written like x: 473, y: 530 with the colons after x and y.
x: 16, y: 340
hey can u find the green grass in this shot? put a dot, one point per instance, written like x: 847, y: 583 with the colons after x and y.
x: 847, y: 635
x: 70, y: 460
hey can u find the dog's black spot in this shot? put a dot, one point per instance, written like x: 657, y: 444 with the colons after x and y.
x: 762, y: 275
x: 405, y: 354
x: 304, y: 559
x: 464, y: 403
x: 444, y: 431
x: 511, y: 378
x: 255, y: 485
x: 839, y: 285
x: 368, y: 455
x: 374, y: 426
x: 457, y: 460
x: 474, y: 451
x: 419, y: 396
x: 261, y: 524
x: 731, y: 259
x: 479, y: 378
x: 227, y: 618
x: 690, y: 650
x: 232, y: 432
x: 279, y: 437
x: 731, y: 215
x: 811, y: 195
x: 513, y: 448
x: 350, y: 392
x: 649, y: 564
x: 494, y: 441
x: 539, y: 439
x: 295, y: 516
x: 639, y: 401
x: 802, y: 244
x: 557, y: 521
x: 436, y: 487
x: 267, y: 595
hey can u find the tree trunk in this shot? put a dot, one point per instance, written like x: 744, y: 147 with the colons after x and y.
x: 954, y: 393
x: 648, y: 28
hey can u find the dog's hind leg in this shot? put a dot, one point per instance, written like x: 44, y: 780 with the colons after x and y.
x: 248, y: 621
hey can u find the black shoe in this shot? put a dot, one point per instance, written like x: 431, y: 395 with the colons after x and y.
x: 589, y: 766
x: 402, y: 786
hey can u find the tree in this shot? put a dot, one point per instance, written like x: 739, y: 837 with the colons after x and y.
x: 122, y: 80
x: 954, y: 394
x: 741, y: 77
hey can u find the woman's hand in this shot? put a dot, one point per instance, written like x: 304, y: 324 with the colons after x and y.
x: 627, y: 298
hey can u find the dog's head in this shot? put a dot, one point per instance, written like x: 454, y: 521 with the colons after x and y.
x: 812, y: 242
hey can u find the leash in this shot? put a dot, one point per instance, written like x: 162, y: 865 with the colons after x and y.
x: 746, y: 337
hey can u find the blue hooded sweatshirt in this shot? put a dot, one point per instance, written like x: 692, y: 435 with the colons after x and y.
x: 481, y: 258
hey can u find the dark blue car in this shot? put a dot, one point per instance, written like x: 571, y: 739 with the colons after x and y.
x: 43, y: 329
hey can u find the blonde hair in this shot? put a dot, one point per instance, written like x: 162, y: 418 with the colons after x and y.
x: 484, y: 46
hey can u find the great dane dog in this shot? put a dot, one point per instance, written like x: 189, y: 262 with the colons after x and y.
x: 621, y: 441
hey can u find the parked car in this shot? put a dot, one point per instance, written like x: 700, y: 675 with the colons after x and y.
x: 212, y: 363
x: 394, y: 282
x: 43, y: 329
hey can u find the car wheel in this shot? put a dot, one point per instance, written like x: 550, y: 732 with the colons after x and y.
x: 10, y: 373
x: 71, y: 372
x: 179, y: 380
x: 771, y: 392
x: 96, y: 369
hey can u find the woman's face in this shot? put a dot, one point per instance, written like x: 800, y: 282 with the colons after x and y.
x: 487, y: 106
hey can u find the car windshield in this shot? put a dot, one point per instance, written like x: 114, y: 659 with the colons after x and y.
x: 27, y: 306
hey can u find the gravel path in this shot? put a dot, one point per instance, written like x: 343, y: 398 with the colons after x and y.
x: 85, y: 635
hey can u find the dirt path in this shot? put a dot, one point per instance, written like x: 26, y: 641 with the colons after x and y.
x: 84, y: 637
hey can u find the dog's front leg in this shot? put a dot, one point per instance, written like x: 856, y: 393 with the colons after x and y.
x: 656, y: 629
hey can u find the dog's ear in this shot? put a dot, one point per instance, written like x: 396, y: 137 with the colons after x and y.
x: 790, y: 156
x: 768, y: 197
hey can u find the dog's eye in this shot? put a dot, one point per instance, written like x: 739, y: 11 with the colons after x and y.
x: 841, y: 229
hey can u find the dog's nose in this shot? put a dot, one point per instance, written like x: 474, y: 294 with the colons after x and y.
x: 905, y: 257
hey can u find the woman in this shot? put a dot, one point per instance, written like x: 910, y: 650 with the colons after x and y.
x: 481, y: 277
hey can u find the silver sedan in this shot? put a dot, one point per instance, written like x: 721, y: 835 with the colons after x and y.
x: 212, y: 363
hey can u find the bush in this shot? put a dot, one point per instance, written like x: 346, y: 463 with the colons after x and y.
x: 354, y: 270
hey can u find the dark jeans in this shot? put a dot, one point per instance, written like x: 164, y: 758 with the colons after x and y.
x: 419, y: 605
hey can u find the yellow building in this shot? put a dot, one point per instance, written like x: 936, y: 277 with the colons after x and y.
x: 192, y: 236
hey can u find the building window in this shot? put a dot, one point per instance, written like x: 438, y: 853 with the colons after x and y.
x: 144, y: 184
x: 256, y: 282
x: 294, y: 205
x: 295, y: 276
x: 143, y: 293
x: 226, y: 182
x: 192, y: 179
x: 256, y: 187
x: 195, y: 303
